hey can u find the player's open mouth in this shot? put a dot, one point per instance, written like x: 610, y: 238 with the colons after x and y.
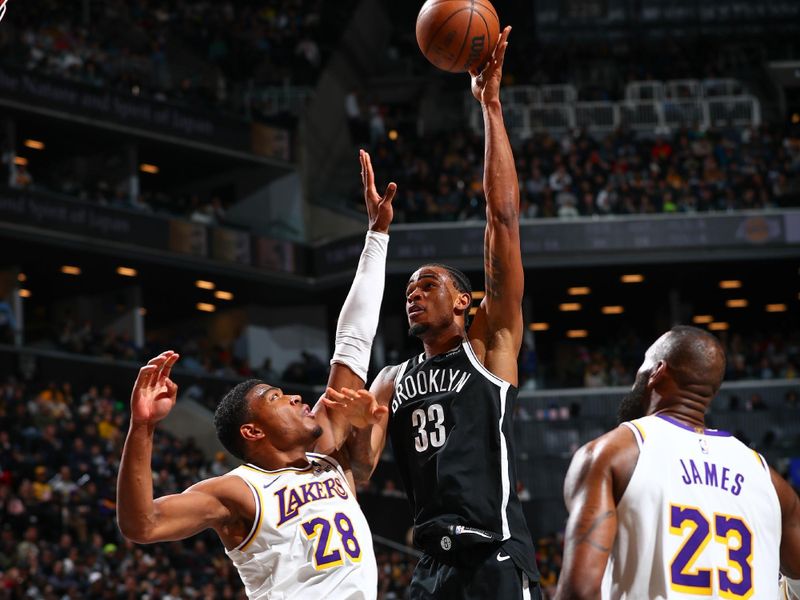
x: 307, y: 411
x: 415, y: 309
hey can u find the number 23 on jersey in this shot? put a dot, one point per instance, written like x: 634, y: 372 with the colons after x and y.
x: 696, y: 530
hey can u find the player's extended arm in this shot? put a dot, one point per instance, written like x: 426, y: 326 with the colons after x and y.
x: 498, y: 323
x: 365, y: 444
x: 140, y: 518
x: 597, y: 477
x: 790, y: 535
x: 358, y: 319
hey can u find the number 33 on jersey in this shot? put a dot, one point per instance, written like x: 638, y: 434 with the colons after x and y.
x: 309, y: 538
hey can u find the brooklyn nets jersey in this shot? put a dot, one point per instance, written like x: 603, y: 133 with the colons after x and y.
x: 451, y: 430
x: 700, y: 517
x: 309, y: 538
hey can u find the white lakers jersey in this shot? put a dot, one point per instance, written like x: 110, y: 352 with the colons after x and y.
x: 700, y: 518
x: 309, y: 539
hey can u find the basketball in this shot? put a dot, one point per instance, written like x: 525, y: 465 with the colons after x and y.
x: 457, y: 35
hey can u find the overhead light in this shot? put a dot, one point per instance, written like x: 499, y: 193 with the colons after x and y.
x: 21, y: 277
x: 393, y: 135
x: 702, y: 319
x: 776, y: 308
x: 20, y: 161
x: 579, y: 291
x: 472, y: 311
x: 736, y: 303
x: 718, y: 326
x: 613, y: 310
x: 148, y: 168
x: 569, y: 306
x: 24, y: 293
x: 206, y: 307
x: 34, y: 144
x: 632, y: 278
x: 143, y: 311
x: 730, y: 284
x: 219, y: 294
x: 70, y: 270
x: 127, y: 271
x: 478, y: 295
x: 577, y: 333
x: 539, y: 326
x: 204, y: 285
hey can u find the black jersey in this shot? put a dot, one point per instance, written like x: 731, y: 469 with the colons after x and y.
x: 451, y: 430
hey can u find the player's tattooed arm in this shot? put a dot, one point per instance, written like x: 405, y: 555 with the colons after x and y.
x: 592, y: 488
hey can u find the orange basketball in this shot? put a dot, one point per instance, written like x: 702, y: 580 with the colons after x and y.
x: 457, y: 35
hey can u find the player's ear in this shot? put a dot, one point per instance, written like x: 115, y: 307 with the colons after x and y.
x: 657, y: 374
x: 463, y: 301
x: 251, y: 432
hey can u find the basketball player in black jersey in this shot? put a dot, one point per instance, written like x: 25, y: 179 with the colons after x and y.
x: 451, y: 407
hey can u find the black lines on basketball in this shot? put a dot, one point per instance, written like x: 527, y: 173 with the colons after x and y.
x: 466, y: 35
x: 441, y: 26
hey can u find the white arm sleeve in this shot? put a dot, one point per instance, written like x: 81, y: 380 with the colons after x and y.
x: 358, y: 320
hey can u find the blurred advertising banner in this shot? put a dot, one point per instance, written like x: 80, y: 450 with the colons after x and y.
x: 54, y: 213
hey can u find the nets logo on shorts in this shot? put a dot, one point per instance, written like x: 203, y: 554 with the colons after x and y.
x: 3, y: 6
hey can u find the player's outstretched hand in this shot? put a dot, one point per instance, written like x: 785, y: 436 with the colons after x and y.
x: 154, y: 393
x: 379, y: 208
x: 360, y: 407
x: 486, y: 83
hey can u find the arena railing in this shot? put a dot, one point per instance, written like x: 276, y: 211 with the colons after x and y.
x: 641, y: 114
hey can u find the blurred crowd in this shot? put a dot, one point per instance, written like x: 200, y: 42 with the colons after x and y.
x: 568, y: 364
x: 208, y: 54
x: 440, y: 177
x: 762, y: 356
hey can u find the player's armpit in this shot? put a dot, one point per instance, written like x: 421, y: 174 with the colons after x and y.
x: 214, y: 503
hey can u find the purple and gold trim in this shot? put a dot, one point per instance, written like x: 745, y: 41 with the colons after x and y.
x: 697, y: 430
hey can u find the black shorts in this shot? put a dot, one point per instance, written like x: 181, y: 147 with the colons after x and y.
x: 496, y: 577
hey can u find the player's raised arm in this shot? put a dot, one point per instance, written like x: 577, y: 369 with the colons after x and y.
x: 141, y: 518
x: 496, y: 333
x: 358, y: 320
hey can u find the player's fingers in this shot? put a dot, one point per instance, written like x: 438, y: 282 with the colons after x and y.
x: 370, y: 173
x: 167, y: 370
x: 332, y: 403
x: 159, y: 374
x: 363, y: 162
x: 145, y: 374
x: 332, y: 394
x: 391, y: 190
x: 172, y: 387
x: 379, y: 411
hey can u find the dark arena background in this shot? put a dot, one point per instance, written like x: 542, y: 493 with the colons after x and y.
x: 181, y: 174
